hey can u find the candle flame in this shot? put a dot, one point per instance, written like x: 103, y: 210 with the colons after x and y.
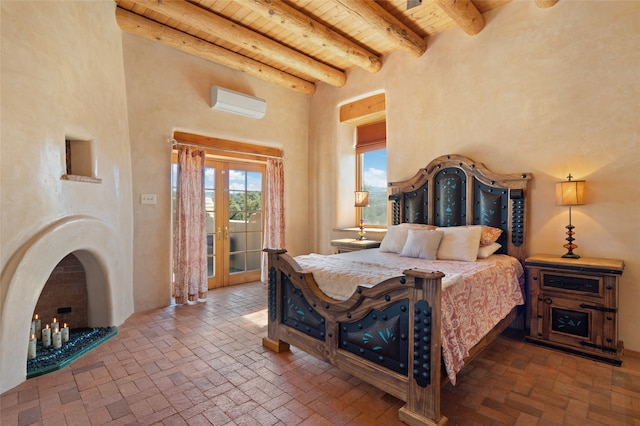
x: 65, y: 325
x: 55, y: 319
x: 35, y: 316
x: 33, y: 336
x: 46, y: 326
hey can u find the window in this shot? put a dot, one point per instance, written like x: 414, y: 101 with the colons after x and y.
x: 371, y: 173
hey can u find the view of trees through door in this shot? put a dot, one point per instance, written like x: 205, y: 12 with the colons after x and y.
x: 234, y: 211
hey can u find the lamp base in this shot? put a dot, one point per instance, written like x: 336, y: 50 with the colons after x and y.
x: 571, y: 255
x: 570, y: 246
x: 361, y: 233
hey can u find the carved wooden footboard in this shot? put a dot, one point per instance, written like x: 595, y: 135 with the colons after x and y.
x: 387, y: 335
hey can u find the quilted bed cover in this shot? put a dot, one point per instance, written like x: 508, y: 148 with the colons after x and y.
x: 476, y: 296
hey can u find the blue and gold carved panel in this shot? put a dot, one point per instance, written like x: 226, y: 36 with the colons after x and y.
x: 298, y: 313
x: 491, y: 208
x: 571, y: 322
x: 450, y: 197
x: 416, y: 205
x: 381, y: 336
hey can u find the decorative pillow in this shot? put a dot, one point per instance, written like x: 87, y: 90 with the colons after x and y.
x: 459, y: 243
x: 489, y: 235
x: 396, y: 236
x: 394, y: 239
x: 422, y: 243
x: 486, y: 251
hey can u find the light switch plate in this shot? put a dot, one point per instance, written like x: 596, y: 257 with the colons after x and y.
x: 148, y: 199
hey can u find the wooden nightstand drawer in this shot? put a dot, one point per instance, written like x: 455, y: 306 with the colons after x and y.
x: 572, y: 283
x: 574, y: 305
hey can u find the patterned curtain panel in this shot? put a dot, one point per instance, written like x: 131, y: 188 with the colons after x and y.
x: 274, y: 210
x: 190, y: 252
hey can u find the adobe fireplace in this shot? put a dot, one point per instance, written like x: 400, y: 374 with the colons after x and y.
x: 68, y: 245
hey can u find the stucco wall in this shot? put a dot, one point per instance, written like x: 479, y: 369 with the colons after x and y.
x: 62, y: 76
x: 548, y: 91
x: 168, y: 90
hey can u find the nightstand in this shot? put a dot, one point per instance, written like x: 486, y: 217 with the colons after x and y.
x: 349, y: 244
x: 574, y: 305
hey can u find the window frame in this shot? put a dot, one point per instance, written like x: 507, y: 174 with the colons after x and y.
x: 368, y: 142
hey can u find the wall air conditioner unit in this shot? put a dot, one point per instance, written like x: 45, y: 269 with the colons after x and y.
x: 237, y: 103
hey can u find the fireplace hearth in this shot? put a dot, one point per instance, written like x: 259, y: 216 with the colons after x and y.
x: 81, y: 340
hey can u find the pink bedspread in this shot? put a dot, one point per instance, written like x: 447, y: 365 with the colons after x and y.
x: 480, y: 296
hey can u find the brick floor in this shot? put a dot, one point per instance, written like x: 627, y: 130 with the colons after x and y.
x: 204, y: 364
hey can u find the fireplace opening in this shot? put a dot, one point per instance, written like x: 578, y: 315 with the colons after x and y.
x: 64, y: 296
x: 60, y: 331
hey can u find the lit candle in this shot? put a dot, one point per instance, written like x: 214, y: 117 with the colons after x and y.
x: 57, y: 339
x: 55, y: 323
x: 38, y: 323
x: 46, y: 336
x: 65, y: 333
x: 32, y: 347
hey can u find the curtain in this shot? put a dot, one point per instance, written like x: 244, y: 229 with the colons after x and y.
x: 274, y: 210
x: 190, y: 251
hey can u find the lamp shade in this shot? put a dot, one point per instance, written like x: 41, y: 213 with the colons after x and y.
x: 362, y: 198
x: 570, y: 193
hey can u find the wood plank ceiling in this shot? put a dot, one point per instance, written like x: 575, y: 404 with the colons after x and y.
x: 297, y: 43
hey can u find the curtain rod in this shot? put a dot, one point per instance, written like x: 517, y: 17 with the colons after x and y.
x: 174, y: 142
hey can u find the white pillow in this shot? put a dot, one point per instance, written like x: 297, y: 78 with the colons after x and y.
x: 486, y: 251
x: 460, y: 243
x: 422, y: 243
x: 393, y: 241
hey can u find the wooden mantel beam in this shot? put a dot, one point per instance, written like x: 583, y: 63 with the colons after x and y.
x: 543, y: 4
x: 152, y: 30
x: 387, y: 25
x: 315, y: 32
x: 464, y: 13
x: 219, y: 27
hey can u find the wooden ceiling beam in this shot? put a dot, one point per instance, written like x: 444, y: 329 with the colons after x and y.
x: 465, y: 14
x: 315, y: 32
x: 543, y: 4
x: 364, y: 111
x: 219, y: 27
x: 152, y: 30
x: 386, y: 25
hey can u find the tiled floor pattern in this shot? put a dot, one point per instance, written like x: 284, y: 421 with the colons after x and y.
x: 204, y: 364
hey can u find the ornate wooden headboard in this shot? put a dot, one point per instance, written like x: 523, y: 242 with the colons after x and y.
x: 454, y: 190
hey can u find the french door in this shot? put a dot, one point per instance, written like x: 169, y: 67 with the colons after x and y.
x: 234, y: 212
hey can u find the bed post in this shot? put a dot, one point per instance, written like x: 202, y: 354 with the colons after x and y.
x: 272, y: 341
x: 423, y: 386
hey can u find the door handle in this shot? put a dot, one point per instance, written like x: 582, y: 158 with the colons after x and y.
x: 226, y: 232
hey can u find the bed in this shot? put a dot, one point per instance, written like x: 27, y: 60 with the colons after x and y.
x: 406, y: 317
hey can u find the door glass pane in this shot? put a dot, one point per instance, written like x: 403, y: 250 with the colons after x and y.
x: 209, y: 206
x: 236, y: 263
x: 245, y: 219
x: 237, y: 242
x: 254, y: 240
x: 254, y: 260
x: 237, y: 223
